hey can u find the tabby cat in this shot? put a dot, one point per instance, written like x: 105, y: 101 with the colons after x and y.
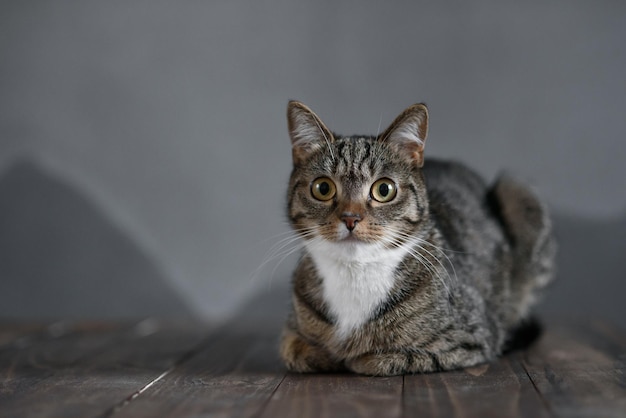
x: 409, y: 265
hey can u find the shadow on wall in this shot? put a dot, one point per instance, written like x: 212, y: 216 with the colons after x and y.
x: 591, y: 270
x: 60, y: 257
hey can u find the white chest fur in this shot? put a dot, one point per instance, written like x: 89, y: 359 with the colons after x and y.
x: 356, y: 279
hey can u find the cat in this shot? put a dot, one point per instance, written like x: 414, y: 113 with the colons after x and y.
x: 409, y: 265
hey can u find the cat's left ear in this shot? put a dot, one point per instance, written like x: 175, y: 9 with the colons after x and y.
x: 306, y: 130
x: 408, y: 132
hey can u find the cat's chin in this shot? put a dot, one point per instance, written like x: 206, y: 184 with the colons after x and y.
x: 352, y: 242
x: 351, y: 239
x: 353, y: 250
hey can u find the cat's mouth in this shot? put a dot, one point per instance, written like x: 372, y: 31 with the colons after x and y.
x: 351, y: 238
x: 344, y: 236
x: 354, y: 238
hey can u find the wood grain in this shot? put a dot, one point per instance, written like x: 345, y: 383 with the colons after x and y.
x: 345, y: 395
x: 87, y: 368
x: 232, y: 375
x: 500, y: 389
x: 579, y: 372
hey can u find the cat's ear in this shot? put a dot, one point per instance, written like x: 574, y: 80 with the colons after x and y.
x: 408, y: 132
x: 306, y: 130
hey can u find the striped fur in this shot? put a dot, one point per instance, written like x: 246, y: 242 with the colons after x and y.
x: 434, y: 279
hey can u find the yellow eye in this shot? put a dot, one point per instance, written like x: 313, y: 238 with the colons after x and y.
x: 384, y: 190
x: 323, y: 189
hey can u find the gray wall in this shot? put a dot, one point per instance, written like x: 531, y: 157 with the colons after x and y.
x: 167, y: 119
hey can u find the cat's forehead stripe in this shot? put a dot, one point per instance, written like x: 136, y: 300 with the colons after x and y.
x: 354, y: 155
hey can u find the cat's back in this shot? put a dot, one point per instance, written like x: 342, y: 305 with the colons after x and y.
x: 451, y: 179
x: 458, y: 202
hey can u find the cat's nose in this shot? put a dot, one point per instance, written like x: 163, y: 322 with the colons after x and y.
x: 350, y: 219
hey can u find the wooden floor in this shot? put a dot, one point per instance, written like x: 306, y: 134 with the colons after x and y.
x: 161, y: 369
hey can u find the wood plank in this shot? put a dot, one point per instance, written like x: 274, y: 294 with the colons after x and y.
x: 578, y: 371
x: 498, y: 389
x: 58, y: 346
x: 233, y: 375
x: 88, y: 370
x: 29, y: 365
x: 336, y: 395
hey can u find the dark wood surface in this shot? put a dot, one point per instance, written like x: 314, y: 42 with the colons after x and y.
x: 176, y: 369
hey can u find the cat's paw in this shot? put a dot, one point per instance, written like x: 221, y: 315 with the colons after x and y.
x: 391, y: 364
x: 300, y: 356
x: 378, y: 364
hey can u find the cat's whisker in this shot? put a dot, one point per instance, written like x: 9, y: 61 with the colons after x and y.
x: 285, y: 255
x: 411, y: 236
x: 285, y: 242
x: 440, y: 250
x: 422, y: 259
x: 432, y: 268
x: 296, y: 241
x: 426, y: 260
x: 282, y: 249
x: 288, y: 232
x: 444, y: 250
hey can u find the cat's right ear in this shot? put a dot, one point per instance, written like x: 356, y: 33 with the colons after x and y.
x: 306, y: 130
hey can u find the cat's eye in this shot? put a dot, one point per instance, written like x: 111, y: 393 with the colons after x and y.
x: 323, y: 189
x: 384, y: 190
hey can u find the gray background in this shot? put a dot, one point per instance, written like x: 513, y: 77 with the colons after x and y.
x: 144, y: 154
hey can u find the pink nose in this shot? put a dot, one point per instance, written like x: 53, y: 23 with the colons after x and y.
x: 350, y: 219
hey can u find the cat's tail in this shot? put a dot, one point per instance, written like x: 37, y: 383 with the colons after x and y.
x: 528, y: 226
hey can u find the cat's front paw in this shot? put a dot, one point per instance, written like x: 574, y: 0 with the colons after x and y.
x: 390, y: 364
x: 300, y: 356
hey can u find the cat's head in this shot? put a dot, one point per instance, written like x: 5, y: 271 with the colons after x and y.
x: 357, y: 189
